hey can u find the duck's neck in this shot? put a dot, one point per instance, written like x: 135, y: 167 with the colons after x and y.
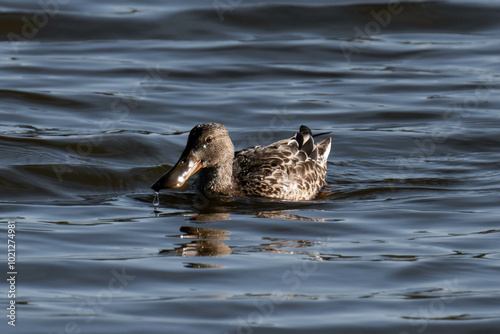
x: 216, y: 180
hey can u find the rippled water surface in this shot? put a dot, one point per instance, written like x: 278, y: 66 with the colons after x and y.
x: 97, y: 98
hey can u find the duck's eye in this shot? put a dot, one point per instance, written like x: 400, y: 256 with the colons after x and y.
x: 209, y: 139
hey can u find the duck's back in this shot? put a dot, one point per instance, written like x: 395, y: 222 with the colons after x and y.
x: 291, y: 169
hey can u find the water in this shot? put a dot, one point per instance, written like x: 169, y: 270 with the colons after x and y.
x: 97, y: 99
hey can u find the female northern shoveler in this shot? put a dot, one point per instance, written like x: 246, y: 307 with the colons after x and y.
x: 291, y: 169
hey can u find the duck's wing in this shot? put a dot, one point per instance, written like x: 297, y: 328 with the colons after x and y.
x: 291, y: 169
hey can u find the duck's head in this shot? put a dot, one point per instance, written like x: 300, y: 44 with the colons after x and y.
x: 208, y: 146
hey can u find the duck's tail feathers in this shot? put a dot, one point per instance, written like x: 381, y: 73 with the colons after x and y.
x: 322, y: 150
x: 305, y: 139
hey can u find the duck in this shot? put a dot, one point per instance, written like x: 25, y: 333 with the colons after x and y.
x: 292, y: 169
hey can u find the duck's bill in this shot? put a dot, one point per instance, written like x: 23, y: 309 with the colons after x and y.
x: 177, y: 176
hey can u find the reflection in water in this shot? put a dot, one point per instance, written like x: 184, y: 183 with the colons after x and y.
x: 275, y: 245
x: 200, y: 248
x: 204, y: 233
x: 202, y: 265
x: 201, y: 217
x: 210, y: 243
x: 284, y: 215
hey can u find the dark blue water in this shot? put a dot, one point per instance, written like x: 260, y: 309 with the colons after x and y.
x: 97, y: 98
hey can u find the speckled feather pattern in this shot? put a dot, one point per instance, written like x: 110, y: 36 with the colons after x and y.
x: 291, y: 169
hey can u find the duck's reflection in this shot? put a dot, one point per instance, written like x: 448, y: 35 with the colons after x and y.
x: 209, y: 242
x: 281, y: 214
x: 210, y: 217
x: 275, y: 245
x: 199, y: 241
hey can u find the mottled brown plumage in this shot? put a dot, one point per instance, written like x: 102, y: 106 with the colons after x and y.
x: 290, y: 169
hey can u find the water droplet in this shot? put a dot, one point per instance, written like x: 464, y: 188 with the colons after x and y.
x: 156, y: 200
